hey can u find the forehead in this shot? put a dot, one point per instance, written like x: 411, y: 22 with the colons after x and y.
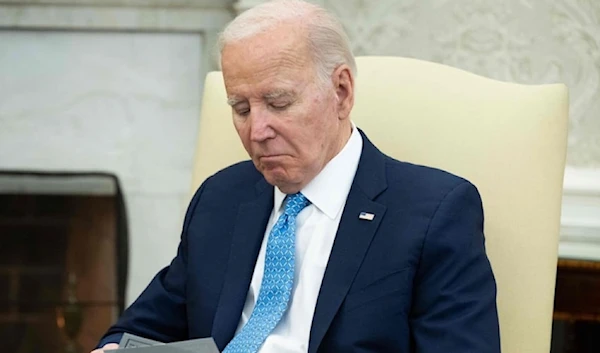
x: 277, y: 59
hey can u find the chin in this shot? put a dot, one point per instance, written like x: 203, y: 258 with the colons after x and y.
x: 283, y: 182
x: 276, y: 179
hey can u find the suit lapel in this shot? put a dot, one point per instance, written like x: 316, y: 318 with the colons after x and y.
x: 352, y: 240
x: 250, y: 224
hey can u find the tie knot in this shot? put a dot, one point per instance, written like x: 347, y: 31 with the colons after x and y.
x: 295, y: 203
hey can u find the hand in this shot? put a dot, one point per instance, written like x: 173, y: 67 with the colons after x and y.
x: 106, y: 346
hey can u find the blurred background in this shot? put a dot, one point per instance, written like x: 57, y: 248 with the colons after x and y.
x: 99, y: 107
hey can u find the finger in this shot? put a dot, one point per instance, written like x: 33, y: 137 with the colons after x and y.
x: 106, y: 346
x: 110, y: 346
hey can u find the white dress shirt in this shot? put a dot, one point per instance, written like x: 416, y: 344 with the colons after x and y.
x: 316, y: 227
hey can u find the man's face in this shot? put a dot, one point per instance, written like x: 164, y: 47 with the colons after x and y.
x: 287, y: 121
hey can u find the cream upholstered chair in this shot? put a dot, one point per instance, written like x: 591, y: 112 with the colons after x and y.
x: 508, y: 139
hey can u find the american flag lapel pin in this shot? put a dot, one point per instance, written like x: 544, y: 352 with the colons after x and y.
x: 366, y: 216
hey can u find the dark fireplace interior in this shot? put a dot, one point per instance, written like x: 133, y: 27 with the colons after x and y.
x: 63, y: 260
x: 576, y: 327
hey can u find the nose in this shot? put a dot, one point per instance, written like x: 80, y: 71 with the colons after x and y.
x: 260, y: 125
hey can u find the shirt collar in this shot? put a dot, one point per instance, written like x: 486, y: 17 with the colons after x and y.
x: 329, y: 190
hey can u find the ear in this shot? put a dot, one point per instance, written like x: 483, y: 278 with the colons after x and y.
x: 343, y: 83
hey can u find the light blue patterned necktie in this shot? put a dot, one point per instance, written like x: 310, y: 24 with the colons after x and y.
x: 278, y: 280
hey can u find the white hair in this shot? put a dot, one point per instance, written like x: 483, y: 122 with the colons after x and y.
x: 326, y: 37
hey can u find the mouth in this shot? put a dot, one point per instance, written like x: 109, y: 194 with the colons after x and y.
x: 271, y: 158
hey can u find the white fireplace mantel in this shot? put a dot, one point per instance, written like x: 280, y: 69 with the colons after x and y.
x: 580, y: 221
x: 117, y: 86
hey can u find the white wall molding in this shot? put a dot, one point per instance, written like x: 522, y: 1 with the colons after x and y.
x: 130, y: 3
x: 243, y: 5
x: 580, y: 221
x: 204, y: 17
x: 94, y: 17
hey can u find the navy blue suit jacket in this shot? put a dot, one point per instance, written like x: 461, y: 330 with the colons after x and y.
x: 414, y: 279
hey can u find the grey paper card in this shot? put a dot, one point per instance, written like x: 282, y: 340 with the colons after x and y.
x: 134, y: 344
x: 161, y: 348
x: 201, y: 345
x: 132, y: 341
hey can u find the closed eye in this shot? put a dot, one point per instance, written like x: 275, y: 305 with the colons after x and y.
x: 241, y: 108
x: 242, y: 112
x: 279, y: 106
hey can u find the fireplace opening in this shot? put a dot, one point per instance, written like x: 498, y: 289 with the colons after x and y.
x: 576, y: 326
x: 63, y: 259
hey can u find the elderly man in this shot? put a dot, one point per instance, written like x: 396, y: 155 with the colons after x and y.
x: 322, y: 243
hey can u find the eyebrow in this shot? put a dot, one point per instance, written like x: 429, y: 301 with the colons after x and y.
x: 233, y: 100
x: 276, y: 94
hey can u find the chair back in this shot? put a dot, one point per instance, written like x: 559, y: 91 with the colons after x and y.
x: 507, y: 139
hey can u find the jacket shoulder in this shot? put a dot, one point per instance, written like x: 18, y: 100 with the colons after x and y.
x: 421, y: 181
x: 235, y: 179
